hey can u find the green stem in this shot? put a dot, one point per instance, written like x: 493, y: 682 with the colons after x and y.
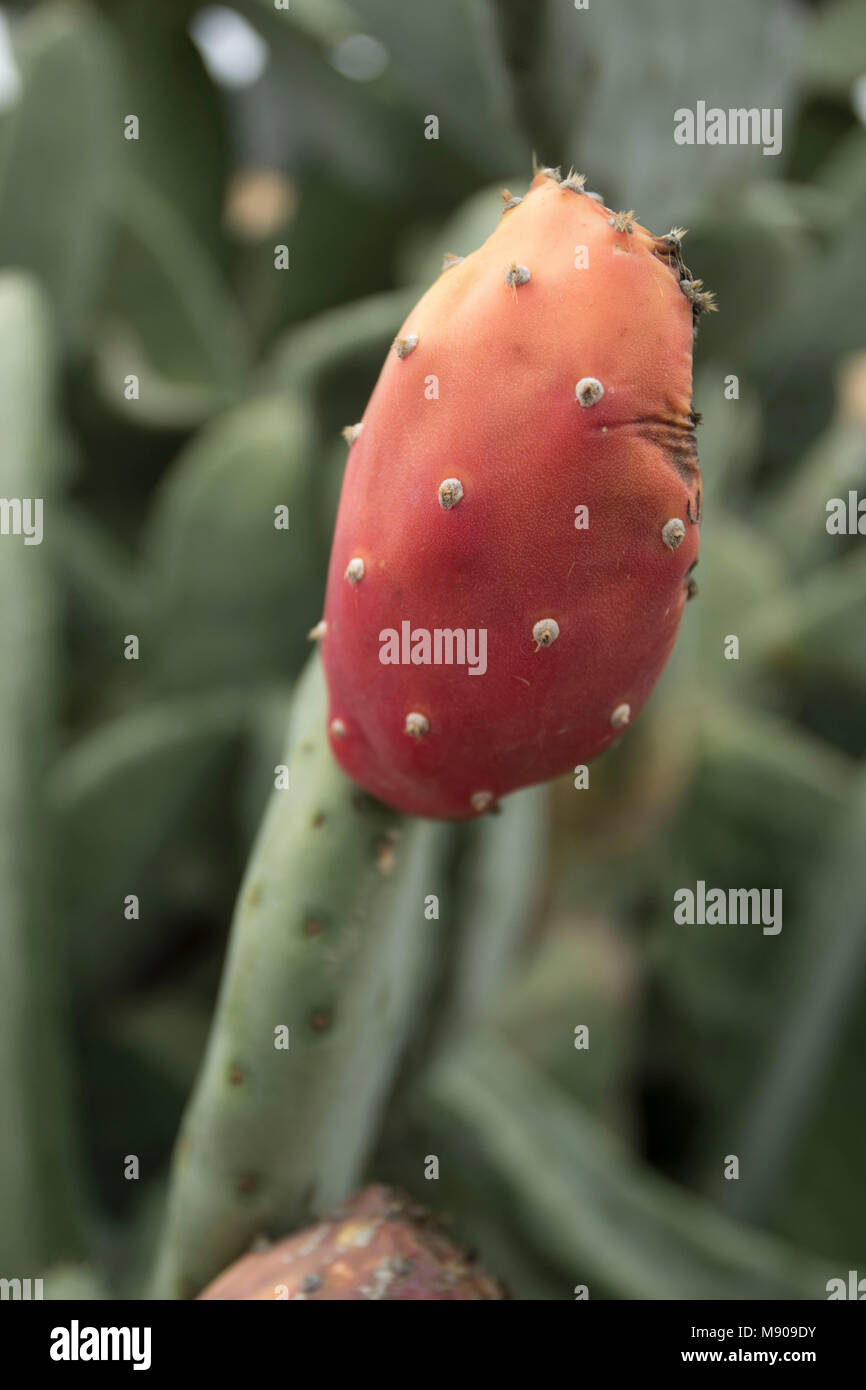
x: 329, y: 941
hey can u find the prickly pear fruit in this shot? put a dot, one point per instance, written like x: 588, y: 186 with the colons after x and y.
x: 519, y: 516
x: 379, y: 1245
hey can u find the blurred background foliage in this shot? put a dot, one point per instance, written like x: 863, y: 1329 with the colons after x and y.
x: 261, y: 127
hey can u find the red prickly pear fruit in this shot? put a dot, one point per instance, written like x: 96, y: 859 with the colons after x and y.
x: 378, y: 1246
x: 526, y: 477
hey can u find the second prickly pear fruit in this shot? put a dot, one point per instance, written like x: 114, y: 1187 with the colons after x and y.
x: 378, y: 1247
x: 519, y: 516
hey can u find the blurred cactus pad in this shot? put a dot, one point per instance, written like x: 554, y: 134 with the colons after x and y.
x: 235, y: 991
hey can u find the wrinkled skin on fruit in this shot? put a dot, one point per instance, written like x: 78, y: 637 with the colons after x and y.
x: 378, y: 1246
x: 527, y: 466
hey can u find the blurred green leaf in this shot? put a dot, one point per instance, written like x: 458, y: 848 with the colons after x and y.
x: 166, y: 1028
x: 729, y: 436
x: 303, y: 114
x: 444, y: 63
x: 817, y: 625
x: 500, y: 890
x: 843, y: 173
x: 752, y: 245
x: 584, y: 972
x: 329, y: 218
x: 164, y: 403
x: 803, y: 1078
x: 131, y: 1108
x: 764, y: 798
x: 795, y: 358
x: 795, y: 514
x: 171, y: 299
x: 522, y: 29
x: 182, y: 149
x: 40, y: 1206
x: 233, y: 597
x: 576, y: 1195
x: 59, y: 149
x: 74, y: 1283
x: 121, y: 796
x: 101, y: 599
x: 740, y: 571
x: 837, y: 47
x: 670, y: 55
